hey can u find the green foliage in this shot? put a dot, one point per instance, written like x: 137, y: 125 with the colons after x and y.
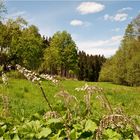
x: 61, y: 55
x: 123, y: 67
x: 26, y: 48
x: 40, y: 128
x: 109, y: 134
x: 90, y: 125
x: 51, y: 60
x: 20, y: 43
x: 68, y: 122
x: 23, y: 90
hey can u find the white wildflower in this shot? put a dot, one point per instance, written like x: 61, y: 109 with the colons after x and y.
x: 4, y: 78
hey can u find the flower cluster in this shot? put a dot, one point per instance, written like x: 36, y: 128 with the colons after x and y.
x: 67, y: 98
x: 49, y: 77
x: 51, y: 114
x: 32, y: 76
x: 88, y: 88
x: 4, y: 78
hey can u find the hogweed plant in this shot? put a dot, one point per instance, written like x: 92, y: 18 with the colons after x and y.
x: 69, y: 123
x: 104, y: 102
x: 70, y: 102
x: 90, y: 90
x: 115, y: 119
x: 49, y: 77
x: 5, y: 101
x: 34, y: 77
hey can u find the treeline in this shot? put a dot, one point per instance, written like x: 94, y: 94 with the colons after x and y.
x: 89, y: 66
x: 124, y: 66
x: 21, y: 43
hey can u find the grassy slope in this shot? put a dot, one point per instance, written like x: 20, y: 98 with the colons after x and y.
x: 25, y: 97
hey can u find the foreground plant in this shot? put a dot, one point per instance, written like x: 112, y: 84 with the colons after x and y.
x: 116, y: 119
x: 34, y: 77
x: 89, y: 91
x: 5, y: 102
x: 65, y: 121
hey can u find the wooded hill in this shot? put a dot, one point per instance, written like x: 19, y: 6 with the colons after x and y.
x: 124, y: 66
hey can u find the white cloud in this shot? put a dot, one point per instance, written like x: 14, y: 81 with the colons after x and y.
x: 125, y: 9
x: 106, y: 47
x: 76, y: 22
x: 101, y: 51
x: 116, y: 30
x: 118, y: 17
x: 90, y: 7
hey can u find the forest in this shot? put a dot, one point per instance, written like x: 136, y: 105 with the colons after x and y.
x: 57, y: 55
x: 52, y: 90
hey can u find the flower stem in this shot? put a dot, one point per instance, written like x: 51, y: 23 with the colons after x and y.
x: 44, y: 95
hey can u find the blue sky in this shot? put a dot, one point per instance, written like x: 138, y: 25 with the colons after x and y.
x: 96, y: 26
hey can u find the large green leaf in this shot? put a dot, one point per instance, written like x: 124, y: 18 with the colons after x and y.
x: 44, y: 133
x: 112, y: 135
x: 2, y: 129
x: 90, y: 125
x: 73, y: 134
x: 135, y: 137
x: 16, y: 137
x: 78, y: 126
x: 50, y: 121
x: 56, y: 136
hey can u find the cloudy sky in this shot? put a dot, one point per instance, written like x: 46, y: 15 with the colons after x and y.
x: 96, y: 26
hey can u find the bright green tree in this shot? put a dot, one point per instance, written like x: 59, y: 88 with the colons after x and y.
x: 27, y: 48
x: 123, y: 67
x: 66, y: 51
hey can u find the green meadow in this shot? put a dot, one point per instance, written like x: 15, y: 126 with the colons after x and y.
x: 25, y: 98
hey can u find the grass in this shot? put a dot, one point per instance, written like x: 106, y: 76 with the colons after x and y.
x: 25, y: 98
